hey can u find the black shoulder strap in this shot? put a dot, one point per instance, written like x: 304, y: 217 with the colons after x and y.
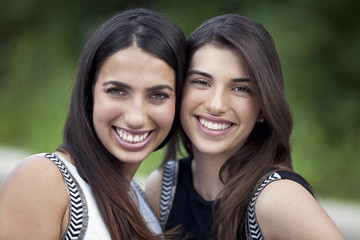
x: 168, y: 188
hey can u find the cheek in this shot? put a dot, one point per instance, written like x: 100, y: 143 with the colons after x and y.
x: 163, y: 116
x: 189, y: 99
x: 105, y: 111
x: 255, y: 108
x: 248, y: 111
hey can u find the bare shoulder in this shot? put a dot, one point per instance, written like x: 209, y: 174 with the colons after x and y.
x: 286, y: 210
x: 153, y: 190
x: 33, y: 200
x: 33, y: 171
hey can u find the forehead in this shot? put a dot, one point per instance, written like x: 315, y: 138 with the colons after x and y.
x: 137, y: 66
x: 218, y: 61
x: 133, y: 57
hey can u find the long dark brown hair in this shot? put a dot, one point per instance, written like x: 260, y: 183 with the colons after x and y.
x: 268, y: 145
x: 155, y: 34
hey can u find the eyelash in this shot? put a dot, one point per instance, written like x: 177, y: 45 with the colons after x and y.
x: 238, y: 89
x: 242, y: 89
x: 200, y: 82
x: 115, y: 91
x: 155, y: 96
x: 159, y: 96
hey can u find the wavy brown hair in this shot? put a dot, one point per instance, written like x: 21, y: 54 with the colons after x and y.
x: 268, y: 145
x: 155, y: 34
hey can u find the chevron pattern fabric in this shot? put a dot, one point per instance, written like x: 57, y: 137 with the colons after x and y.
x: 169, y: 181
x: 138, y: 188
x: 77, y: 202
x: 253, y: 229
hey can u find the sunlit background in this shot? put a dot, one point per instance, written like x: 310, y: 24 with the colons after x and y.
x: 318, y: 43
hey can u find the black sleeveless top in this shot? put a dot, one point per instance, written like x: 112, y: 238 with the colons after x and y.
x: 182, y: 206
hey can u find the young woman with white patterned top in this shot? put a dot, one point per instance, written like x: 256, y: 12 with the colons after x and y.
x: 122, y: 109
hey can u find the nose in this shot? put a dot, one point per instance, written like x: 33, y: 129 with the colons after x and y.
x: 216, y: 102
x: 136, y: 114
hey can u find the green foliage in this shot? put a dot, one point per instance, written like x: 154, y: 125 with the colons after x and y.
x: 318, y: 44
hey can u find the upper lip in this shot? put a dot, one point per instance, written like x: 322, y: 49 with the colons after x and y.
x: 214, y: 119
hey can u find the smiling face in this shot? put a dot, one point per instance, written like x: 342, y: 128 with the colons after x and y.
x: 220, y: 106
x: 134, y: 104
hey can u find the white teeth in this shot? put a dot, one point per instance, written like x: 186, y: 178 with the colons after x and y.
x: 132, y: 138
x: 214, y: 126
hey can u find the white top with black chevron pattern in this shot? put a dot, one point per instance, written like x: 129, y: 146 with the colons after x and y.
x: 96, y: 228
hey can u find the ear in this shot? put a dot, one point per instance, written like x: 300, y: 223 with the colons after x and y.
x: 260, y: 118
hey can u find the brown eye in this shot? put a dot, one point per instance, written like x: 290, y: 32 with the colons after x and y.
x: 200, y: 83
x: 158, y: 97
x: 242, y: 89
x: 115, y: 91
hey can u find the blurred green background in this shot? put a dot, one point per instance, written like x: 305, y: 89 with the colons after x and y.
x: 318, y: 43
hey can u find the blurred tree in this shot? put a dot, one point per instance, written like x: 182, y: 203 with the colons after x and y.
x: 40, y: 42
x: 318, y: 43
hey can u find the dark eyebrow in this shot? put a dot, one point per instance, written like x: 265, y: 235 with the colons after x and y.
x: 240, y: 80
x: 126, y: 86
x: 199, y: 73
x: 160, y: 87
x: 118, y: 84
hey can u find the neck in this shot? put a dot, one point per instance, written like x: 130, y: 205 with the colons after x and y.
x: 128, y: 170
x: 205, y: 170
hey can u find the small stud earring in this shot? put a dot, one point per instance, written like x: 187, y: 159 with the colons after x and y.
x: 261, y: 120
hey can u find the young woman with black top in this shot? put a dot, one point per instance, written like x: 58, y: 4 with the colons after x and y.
x: 237, y: 182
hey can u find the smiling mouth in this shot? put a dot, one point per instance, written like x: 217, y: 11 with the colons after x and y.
x: 216, y: 126
x: 132, y: 138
